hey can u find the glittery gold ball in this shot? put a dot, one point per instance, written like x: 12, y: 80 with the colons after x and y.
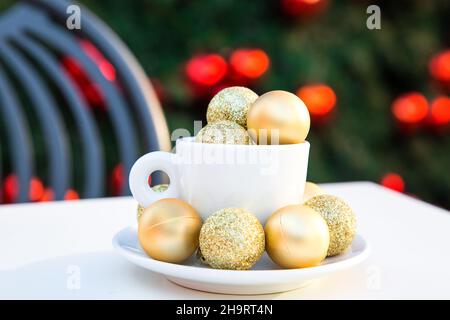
x: 158, y: 188
x: 223, y: 132
x: 311, y: 190
x: 231, y: 104
x: 340, y: 219
x: 278, y: 117
x: 296, y: 237
x: 168, y: 230
x: 233, y: 239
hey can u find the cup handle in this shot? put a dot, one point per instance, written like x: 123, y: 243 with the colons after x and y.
x: 144, y: 167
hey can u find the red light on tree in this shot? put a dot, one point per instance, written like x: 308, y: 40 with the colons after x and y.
x: 393, y: 181
x: 410, y: 108
x: 93, y: 94
x: 48, y: 195
x: 303, y: 8
x: 36, y: 189
x: 91, y: 91
x: 439, y: 66
x: 116, y: 179
x: 440, y: 111
x: 106, y: 68
x: 71, y: 194
x: 91, y: 50
x: 250, y: 63
x: 73, y: 67
x: 320, y: 99
x: 11, y: 189
x: 206, y: 70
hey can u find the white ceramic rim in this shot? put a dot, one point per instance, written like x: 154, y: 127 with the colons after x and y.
x: 190, y: 141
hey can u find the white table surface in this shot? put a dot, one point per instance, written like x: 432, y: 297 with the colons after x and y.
x: 63, y: 250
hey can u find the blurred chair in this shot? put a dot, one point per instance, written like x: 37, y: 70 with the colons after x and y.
x: 37, y: 52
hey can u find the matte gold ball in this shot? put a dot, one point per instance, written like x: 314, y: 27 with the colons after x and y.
x: 311, y: 190
x: 168, y: 230
x: 278, y: 117
x: 223, y: 132
x: 296, y: 237
x: 158, y: 188
x: 233, y: 239
x: 231, y: 104
x: 340, y: 219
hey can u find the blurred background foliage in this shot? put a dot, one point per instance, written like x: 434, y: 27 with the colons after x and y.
x: 360, y: 139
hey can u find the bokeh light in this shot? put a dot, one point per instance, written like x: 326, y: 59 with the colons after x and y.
x: 393, y: 181
x: 320, y: 99
x: 250, y: 63
x: 410, y: 108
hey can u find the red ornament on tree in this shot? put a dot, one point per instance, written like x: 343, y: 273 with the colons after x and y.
x: 206, y: 70
x: 410, y: 108
x: 320, y: 99
x: 393, y: 181
x: 439, y: 67
x: 249, y: 63
x: 440, y: 111
x: 303, y: 8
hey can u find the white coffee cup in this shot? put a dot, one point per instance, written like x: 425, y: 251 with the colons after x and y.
x: 210, y: 177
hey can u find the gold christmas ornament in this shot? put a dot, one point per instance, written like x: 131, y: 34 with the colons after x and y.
x: 311, y: 190
x: 223, y: 132
x: 296, y: 237
x: 340, y: 219
x: 158, y: 188
x: 231, y: 104
x: 168, y: 230
x: 233, y: 239
x: 278, y: 117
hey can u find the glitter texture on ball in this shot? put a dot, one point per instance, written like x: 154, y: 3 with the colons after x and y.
x: 223, y: 132
x: 231, y: 104
x: 233, y: 239
x: 340, y: 219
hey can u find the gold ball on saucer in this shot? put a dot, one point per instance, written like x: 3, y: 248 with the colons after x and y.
x: 231, y: 104
x: 296, y: 237
x: 311, y: 190
x: 223, y: 132
x: 278, y: 117
x: 233, y: 239
x: 340, y: 219
x: 158, y: 188
x: 168, y: 230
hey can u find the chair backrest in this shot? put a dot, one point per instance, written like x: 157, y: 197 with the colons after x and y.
x: 37, y: 51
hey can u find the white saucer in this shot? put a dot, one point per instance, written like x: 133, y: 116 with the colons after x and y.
x: 265, y: 277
